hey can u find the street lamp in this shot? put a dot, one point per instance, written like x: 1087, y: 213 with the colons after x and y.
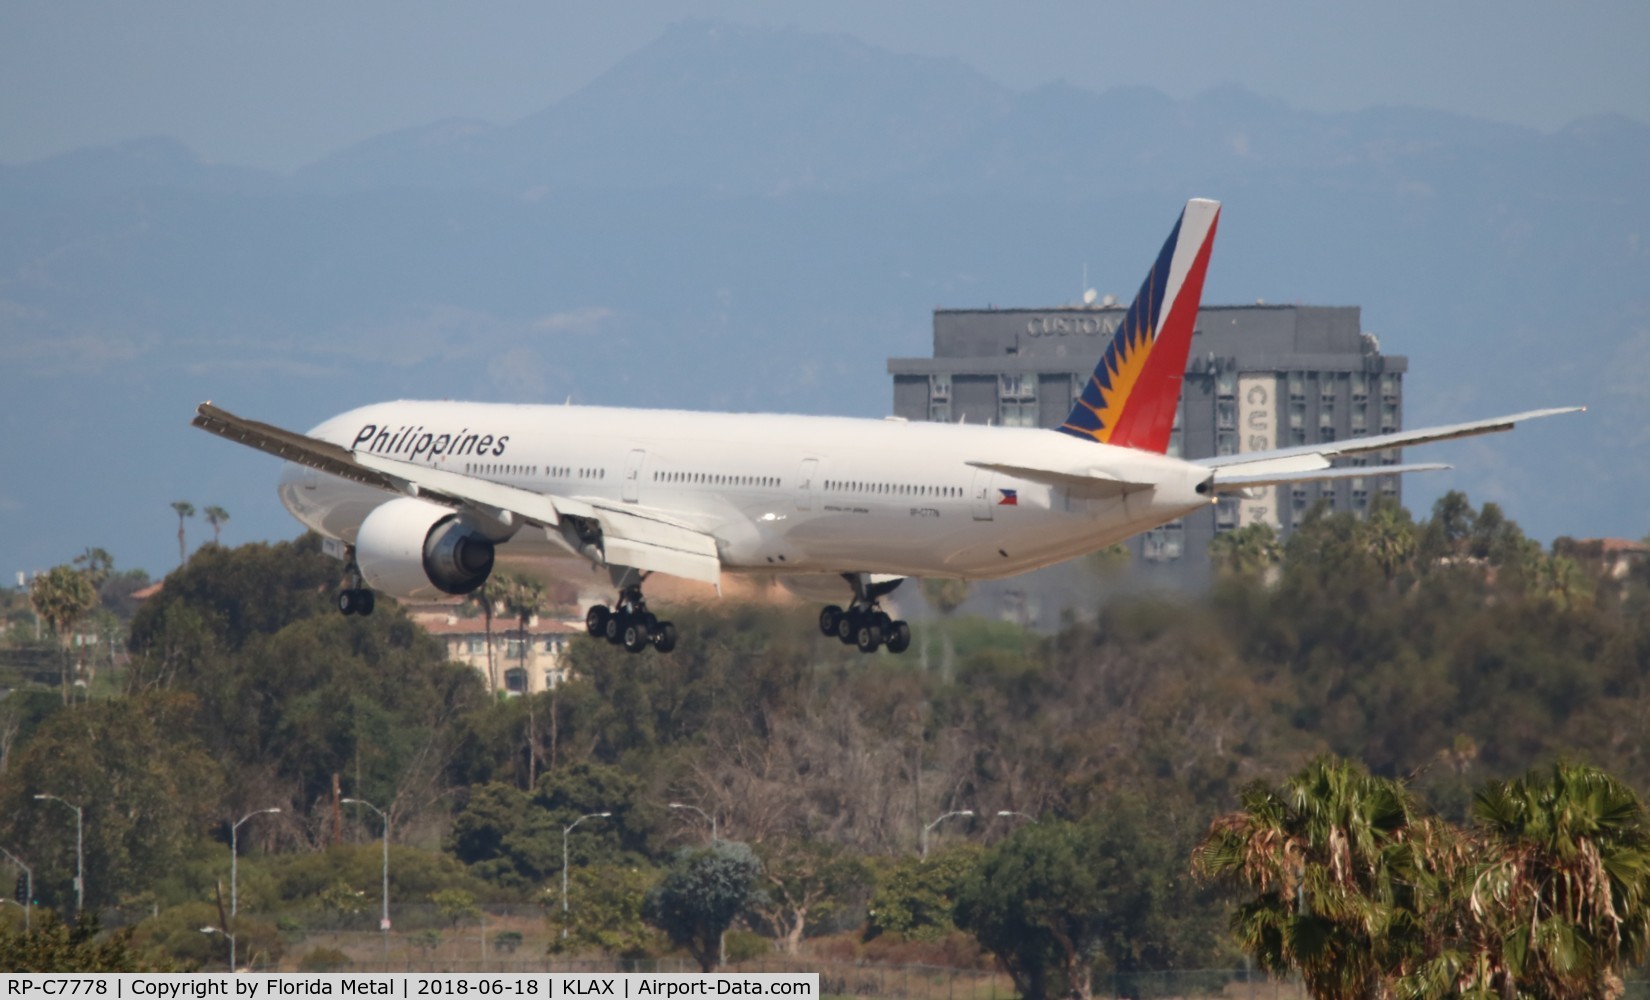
x: 722, y: 940
x: 231, y: 937
x: 709, y: 816
x: 384, y: 916
x: 937, y: 822
x: 79, y: 852
x: 28, y: 887
x: 564, y: 832
x: 235, y: 857
x: 1015, y: 812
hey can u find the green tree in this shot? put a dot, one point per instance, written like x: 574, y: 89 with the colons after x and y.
x: 455, y: 905
x: 1248, y: 553
x: 62, y: 596
x: 183, y: 509
x: 53, y: 946
x: 807, y: 880
x: 525, y: 599
x: 1564, y: 885
x: 605, y: 905
x: 1315, y: 859
x: 1035, y: 902
x: 915, y: 897
x: 217, y: 517
x: 487, y: 598
x: 701, y: 894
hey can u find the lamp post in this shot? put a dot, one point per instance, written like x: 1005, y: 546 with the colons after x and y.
x: 235, y: 857
x: 711, y: 817
x: 1015, y: 812
x: 231, y: 937
x: 722, y: 939
x: 384, y: 915
x: 937, y: 822
x: 79, y: 852
x: 28, y: 887
x: 564, y: 832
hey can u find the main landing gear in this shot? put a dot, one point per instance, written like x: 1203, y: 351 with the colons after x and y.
x: 629, y: 624
x: 864, y: 623
x: 355, y: 598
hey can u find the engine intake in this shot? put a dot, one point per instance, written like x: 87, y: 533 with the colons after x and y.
x: 412, y: 548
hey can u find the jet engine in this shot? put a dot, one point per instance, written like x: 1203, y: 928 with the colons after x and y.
x: 413, y: 548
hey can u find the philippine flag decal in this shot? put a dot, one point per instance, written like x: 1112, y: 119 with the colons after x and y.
x: 1011, y: 498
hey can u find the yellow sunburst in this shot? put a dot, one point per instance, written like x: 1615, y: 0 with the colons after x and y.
x: 1123, y: 371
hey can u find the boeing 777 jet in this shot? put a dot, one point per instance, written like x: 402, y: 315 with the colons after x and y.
x: 418, y: 497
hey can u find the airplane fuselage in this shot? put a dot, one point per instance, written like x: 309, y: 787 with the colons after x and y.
x: 780, y: 494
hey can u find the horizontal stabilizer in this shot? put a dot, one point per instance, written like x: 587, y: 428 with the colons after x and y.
x: 1242, y: 478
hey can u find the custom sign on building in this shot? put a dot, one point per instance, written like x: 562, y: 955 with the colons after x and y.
x: 1257, y: 399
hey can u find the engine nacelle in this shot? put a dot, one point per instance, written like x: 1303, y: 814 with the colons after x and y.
x: 416, y: 549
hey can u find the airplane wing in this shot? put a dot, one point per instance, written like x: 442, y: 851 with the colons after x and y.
x: 1306, y: 463
x: 619, y: 535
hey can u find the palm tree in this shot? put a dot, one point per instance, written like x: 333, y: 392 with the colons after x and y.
x: 184, y: 509
x: 62, y: 596
x: 1317, y: 853
x: 1250, y: 551
x: 215, y: 516
x: 525, y: 599
x: 1389, y: 538
x: 1564, y: 889
x: 488, y: 597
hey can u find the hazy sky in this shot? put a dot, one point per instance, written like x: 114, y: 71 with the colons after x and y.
x: 279, y: 85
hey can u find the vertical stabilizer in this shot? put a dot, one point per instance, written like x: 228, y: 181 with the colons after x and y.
x: 1132, y: 396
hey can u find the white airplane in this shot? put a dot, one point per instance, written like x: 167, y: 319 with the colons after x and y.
x: 419, y: 496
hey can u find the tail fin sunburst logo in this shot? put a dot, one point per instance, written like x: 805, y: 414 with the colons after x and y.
x: 1132, y: 397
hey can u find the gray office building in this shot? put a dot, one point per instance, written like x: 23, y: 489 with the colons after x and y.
x: 1257, y: 377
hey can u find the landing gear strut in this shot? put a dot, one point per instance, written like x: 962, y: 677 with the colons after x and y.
x: 355, y: 598
x: 629, y: 624
x: 863, y: 623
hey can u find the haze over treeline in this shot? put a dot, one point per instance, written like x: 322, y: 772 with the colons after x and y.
x: 755, y: 218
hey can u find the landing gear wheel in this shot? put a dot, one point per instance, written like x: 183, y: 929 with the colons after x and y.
x: 868, y: 638
x: 899, y: 639
x: 664, y: 637
x: 846, y: 628
x: 829, y: 618
x: 636, y: 637
x: 613, y: 628
x: 355, y: 601
x: 595, y: 620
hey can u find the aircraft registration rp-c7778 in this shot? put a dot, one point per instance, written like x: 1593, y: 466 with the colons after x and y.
x: 420, y: 496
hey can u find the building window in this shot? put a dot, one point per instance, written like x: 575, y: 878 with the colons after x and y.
x: 476, y: 644
x: 1360, y: 419
x: 1326, y: 389
x: 1297, y: 415
x: 939, y: 388
x: 1226, y: 442
x: 1389, y: 417
x: 1012, y: 414
x: 1360, y: 386
x: 1226, y: 514
x: 1297, y: 387
x: 1226, y: 414
x: 1165, y: 543
x: 1389, y: 386
x: 515, y: 679
x: 1226, y: 385
x: 939, y: 413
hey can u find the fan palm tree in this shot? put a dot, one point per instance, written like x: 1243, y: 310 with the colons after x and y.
x: 62, y: 596
x: 184, y: 509
x: 526, y: 599
x: 216, y: 517
x: 1318, y: 853
x: 488, y: 597
x: 1564, y: 889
